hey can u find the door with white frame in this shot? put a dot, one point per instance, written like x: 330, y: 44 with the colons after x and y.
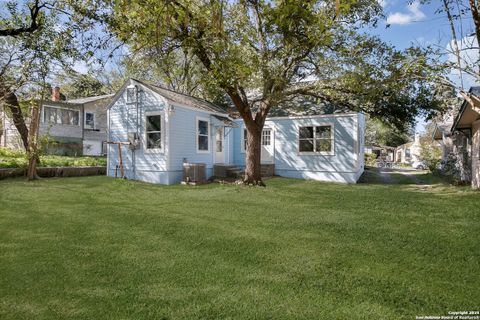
x: 267, y: 146
x: 219, y: 145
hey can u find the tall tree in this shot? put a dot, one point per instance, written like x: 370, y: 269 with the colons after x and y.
x: 273, y: 48
x: 38, y: 38
x: 77, y: 85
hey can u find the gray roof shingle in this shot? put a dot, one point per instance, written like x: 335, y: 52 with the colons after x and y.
x: 184, y: 98
x: 90, y: 99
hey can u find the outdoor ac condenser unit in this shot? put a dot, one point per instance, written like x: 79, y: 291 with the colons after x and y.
x: 194, y: 172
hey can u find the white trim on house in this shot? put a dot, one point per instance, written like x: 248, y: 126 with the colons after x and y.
x: 160, y: 150
x: 331, y: 115
x: 317, y: 153
x: 197, y: 134
x: 242, y: 139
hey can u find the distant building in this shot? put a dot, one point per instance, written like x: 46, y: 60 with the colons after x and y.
x: 75, y: 127
x: 409, y: 152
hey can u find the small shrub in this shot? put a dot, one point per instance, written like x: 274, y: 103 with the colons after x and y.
x: 431, y: 155
x: 17, y: 159
x: 370, y: 159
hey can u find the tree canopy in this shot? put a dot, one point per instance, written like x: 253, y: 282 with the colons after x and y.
x: 264, y: 53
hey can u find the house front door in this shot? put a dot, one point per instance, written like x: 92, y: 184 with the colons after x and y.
x: 219, y: 146
x: 267, y: 146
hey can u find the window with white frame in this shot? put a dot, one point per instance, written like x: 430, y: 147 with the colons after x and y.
x: 153, y: 131
x: 266, y: 137
x: 56, y: 115
x: 408, y: 154
x: 203, y: 132
x: 89, y: 120
x: 315, y: 139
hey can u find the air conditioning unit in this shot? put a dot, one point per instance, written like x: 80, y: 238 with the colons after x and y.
x: 194, y: 172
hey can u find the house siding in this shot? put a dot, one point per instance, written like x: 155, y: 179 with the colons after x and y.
x: 93, y: 139
x: 183, y: 139
x: 345, y: 164
x: 150, y: 166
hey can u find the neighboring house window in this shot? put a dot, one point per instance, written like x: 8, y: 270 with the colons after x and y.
x: 154, y: 131
x: 56, y: 115
x: 89, y: 120
x: 130, y: 95
x: 203, y: 132
x: 407, y: 153
x: 318, y: 139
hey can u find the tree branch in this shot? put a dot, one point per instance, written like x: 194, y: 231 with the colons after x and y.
x: 34, y: 25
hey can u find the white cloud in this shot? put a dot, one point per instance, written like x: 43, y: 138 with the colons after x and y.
x: 414, y: 14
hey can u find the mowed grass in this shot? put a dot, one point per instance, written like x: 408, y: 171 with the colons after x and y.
x: 98, y: 248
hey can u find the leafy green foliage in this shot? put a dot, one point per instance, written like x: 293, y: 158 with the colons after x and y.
x: 77, y: 85
x: 18, y: 159
x: 431, y: 154
x: 370, y: 159
x: 378, y: 133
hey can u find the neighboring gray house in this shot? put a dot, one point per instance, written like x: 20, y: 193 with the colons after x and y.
x: 168, y: 130
x: 75, y: 127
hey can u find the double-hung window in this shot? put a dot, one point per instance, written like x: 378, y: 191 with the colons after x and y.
x: 203, y: 133
x: 316, y: 139
x: 154, y: 131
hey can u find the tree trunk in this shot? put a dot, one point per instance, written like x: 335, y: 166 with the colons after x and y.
x: 253, y: 169
x: 11, y: 102
x: 474, y: 6
x: 32, y: 150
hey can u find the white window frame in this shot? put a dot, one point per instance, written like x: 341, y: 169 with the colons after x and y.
x: 85, y: 120
x: 62, y: 108
x: 269, y: 137
x: 197, y: 119
x: 315, y: 153
x: 162, y: 132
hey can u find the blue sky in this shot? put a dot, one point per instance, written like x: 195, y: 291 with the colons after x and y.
x: 413, y: 23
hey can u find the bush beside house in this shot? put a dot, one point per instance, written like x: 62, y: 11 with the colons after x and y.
x: 17, y: 159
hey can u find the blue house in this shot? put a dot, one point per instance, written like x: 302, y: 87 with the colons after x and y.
x: 158, y: 131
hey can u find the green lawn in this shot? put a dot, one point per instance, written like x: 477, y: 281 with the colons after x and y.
x: 98, y: 248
